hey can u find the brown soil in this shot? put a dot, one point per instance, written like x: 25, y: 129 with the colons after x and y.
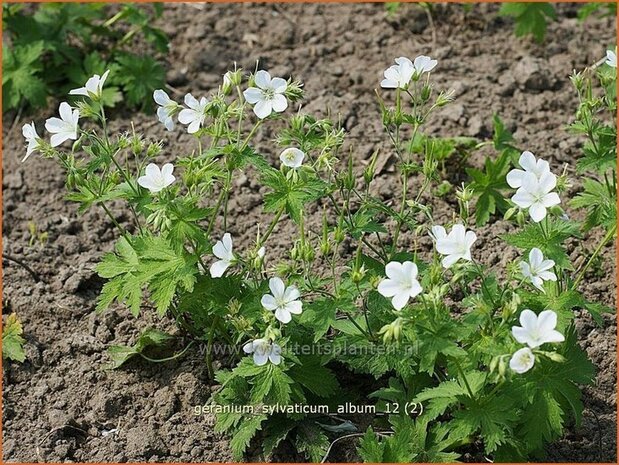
x: 61, y: 405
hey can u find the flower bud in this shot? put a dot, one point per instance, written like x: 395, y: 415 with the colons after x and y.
x: 154, y: 148
x: 358, y: 274
x: 294, y: 252
x: 502, y: 367
x: 294, y: 91
x: 555, y: 357
x: 493, y: 364
x: 339, y: 234
x: 464, y: 193
x: 230, y: 80
x: 510, y: 213
x: 234, y: 306
x: 308, y: 253
x: 272, y: 333
x: 444, y: 98
x: 426, y: 92
x: 393, y: 331
x: 370, y: 170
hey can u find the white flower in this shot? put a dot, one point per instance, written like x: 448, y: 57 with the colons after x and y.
x: 292, y: 158
x: 522, y: 360
x: 65, y: 127
x: 167, y: 108
x: 263, y: 351
x: 32, y: 138
x: 401, y: 283
x: 157, y: 179
x: 456, y: 245
x: 424, y: 64
x: 268, y: 96
x: 93, y: 87
x: 261, y: 252
x: 437, y: 232
x: 282, y: 300
x: 195, y: 114
x: 611, y: 58
x: 537, y: 269
x: 536, y: 195
x: 531, y: 165
x: 537, y: 330
x: 400, y: 74
x: 222, y: 250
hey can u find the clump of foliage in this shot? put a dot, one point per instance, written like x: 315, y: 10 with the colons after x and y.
x: 50, y: 50
x: 530, y: 18
x: 12, y: 339
x: 465, y: 356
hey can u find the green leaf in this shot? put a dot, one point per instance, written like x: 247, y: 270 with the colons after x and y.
x: 243, y: 435
x: 12, y: 340
x: 553, y: 393
x: 600, y: 201
x: 139, y: 76
x: 146, y: 262
x: 21, y: 82
x: 289, y: 195
x: 319, y: 316
x: 314, y: 377
x: 556, y: 231
x: 370, y: 449
x: 312, y: 441
x: 488, y: 184
x: 148, y: 339
x: 530, y: 18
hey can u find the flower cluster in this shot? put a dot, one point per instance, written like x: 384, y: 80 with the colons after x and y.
x: 535, y: 184
x: 67, y: 126
x: 535, y: 330
x: 399, y: 76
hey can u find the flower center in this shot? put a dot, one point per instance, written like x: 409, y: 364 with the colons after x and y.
x: 526, y: 358
x: 268, y: 94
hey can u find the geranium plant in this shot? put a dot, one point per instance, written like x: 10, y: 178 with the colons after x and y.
x: 487, y: 356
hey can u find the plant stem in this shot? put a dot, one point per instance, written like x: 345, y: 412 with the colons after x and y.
x: 209, y: 347
x: 274, y: 222
x: 167, y: 359
x: 466, y: 381
x: 609, y: 235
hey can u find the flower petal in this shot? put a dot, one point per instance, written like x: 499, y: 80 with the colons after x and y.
x: 295, y: 307
x: 400, y: 300
x: 527, y: 161
x: 263, y: 108
x: 261, y: 359
x: 262, y: 79
x: 283, y: 315
x: 218, y: 268
x: 253, y: 95
x: 389, y: 288
x: 528, y: 320
x: 546, y: 321
x: 279, y: 103
x: 278, y: 288
x: 161, y: 97
x: 269, y: 302
x: 550, y: 200
x: 537, y: 211
x: 65, y: 111
x: 450, y: 260
x: 514, y: 178
x: 279, y: 85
